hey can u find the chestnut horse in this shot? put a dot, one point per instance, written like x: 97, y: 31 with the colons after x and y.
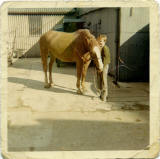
x: 79, y: 47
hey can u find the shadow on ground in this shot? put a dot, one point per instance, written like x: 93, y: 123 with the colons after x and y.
x: 35, y: 64
x: 38, y: 85
x: 78, y: 135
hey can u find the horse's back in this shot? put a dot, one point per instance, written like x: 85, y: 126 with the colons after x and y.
x: 62, y: 36
x: 58, y: 36
x: 60, y: 44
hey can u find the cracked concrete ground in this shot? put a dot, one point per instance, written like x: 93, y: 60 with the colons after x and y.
x: 55, y: 119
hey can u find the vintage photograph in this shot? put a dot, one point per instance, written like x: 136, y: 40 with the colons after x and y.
x: 78, y: 79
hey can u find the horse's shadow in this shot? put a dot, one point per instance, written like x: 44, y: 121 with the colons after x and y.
x: 34, y: 84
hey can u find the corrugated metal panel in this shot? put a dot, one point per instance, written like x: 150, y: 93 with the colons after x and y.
x: 25, y: 31
x: 40, y: 10
x: 133, y: 20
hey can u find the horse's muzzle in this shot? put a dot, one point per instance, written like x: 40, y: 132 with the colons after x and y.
x: 99, y: 69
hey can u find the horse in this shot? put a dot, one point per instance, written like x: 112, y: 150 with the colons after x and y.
x: 80, y: 47
x: 102, y: 81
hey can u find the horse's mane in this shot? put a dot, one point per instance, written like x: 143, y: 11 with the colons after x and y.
x: 86, y: 33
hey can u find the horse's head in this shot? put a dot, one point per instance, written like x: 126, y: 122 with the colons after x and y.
x: 96, y: 56
x: 95, y: 51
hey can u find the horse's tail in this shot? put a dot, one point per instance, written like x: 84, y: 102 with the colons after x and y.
x: 43, y: 52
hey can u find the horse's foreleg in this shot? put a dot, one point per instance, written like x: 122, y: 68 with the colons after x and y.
x: 79, y: 72
x: 84, y: 71
x: 104, y: 93
x: 52, y: 58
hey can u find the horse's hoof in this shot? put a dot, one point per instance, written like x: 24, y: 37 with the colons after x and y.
x: 51, y: 84
x: 79, y: 92
x: 103, y: 98
x: 84, y: 90
x: 48, y: 85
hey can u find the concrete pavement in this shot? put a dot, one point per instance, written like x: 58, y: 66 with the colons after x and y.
x: 52, y: 119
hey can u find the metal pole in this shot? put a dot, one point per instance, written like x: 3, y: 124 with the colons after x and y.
x: 117, y: 45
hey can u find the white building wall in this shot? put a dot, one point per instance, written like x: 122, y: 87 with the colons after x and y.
x: 132, y: 20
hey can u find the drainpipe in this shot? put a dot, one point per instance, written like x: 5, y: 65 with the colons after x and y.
x: 117, y: 46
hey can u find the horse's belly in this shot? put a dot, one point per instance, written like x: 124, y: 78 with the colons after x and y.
x: 65, y: 58
x: 61, y: 46
x: 63, y: 55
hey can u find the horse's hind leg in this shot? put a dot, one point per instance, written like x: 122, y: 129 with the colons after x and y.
x: 52, y: 59
x: 79, y: 72
x: 44, y: 58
